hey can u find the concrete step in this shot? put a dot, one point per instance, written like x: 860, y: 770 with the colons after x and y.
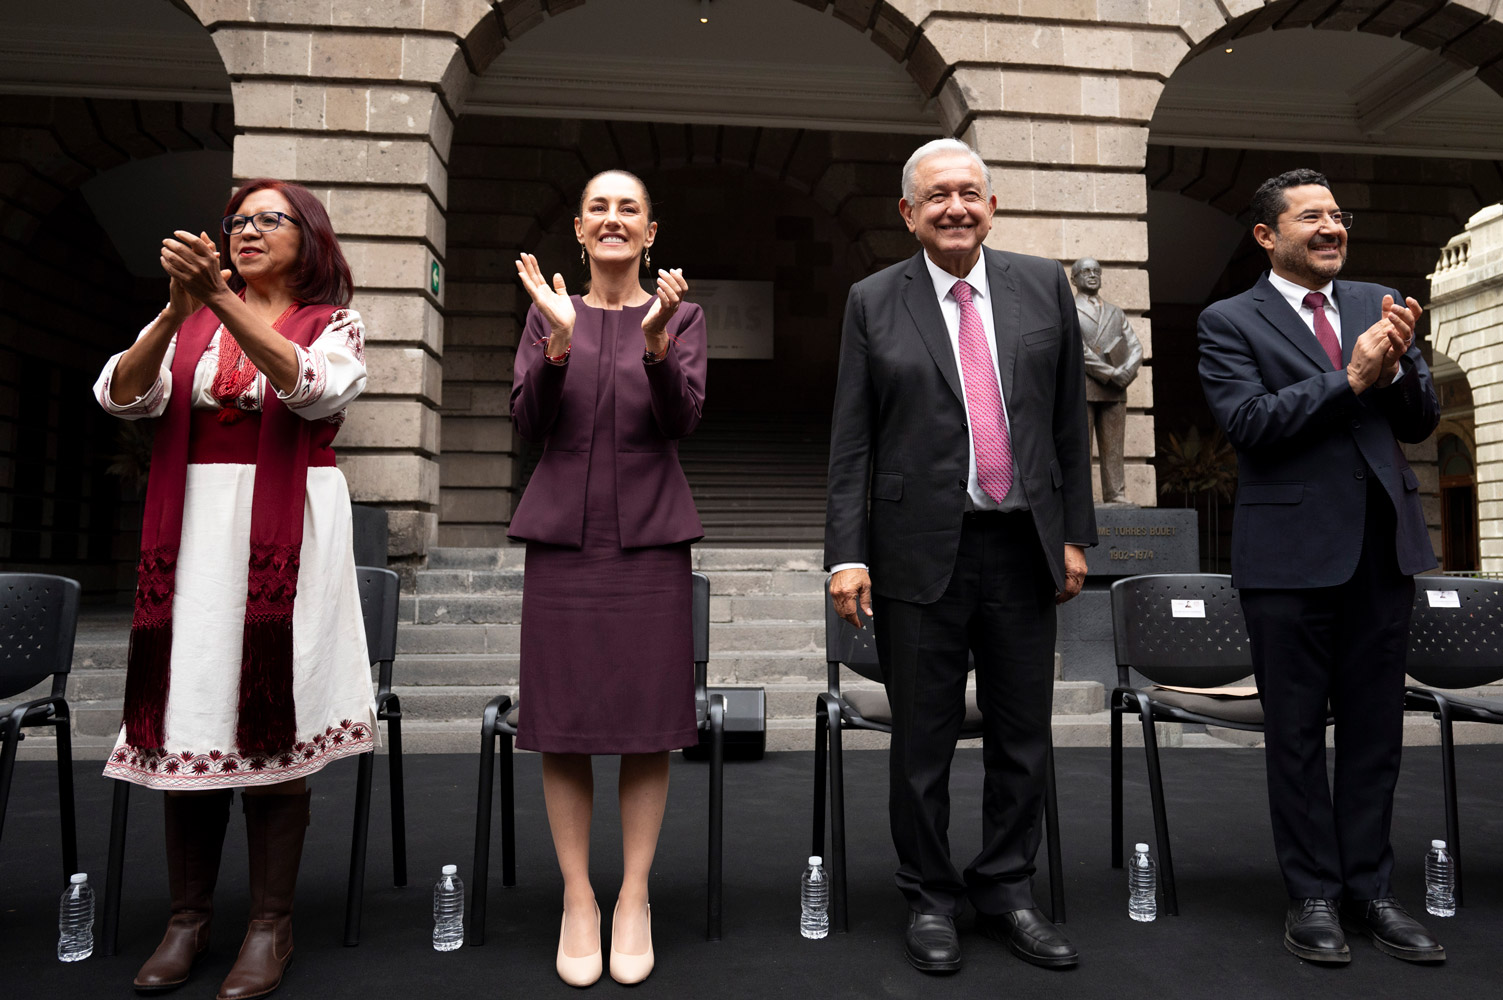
x: 780, y: 636
x: 469, y: 581
x: 474, y: 609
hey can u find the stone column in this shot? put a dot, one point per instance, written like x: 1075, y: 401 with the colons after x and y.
x: 364, y: 119
x: 1466, y: 323
x: 1068, y: 146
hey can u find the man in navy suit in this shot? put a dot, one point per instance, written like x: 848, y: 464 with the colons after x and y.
x: 959, y: 506
x: 1316, y: 381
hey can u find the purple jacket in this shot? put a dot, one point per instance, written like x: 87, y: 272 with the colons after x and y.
x: 655, y: 406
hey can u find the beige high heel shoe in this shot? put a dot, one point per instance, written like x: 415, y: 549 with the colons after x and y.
x: 629, y: 969
x: 582, y: 970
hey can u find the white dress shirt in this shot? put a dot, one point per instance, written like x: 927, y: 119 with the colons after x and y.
x: 1295, y: 296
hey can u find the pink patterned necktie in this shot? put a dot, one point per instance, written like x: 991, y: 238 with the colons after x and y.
x: 983, y: 400
x: 1324, y: 331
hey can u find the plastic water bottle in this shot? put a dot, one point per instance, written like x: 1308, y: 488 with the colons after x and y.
x: 814, y: 895
x: 75, y: 921
x: 1440, y: 881
x: 1142, y: 886
x: 448, y: 910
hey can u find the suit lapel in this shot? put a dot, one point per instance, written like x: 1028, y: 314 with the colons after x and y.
x: 1356, y: 314
x: 923, y: 308
x: 1005, y: 316
x: 1277, y: 310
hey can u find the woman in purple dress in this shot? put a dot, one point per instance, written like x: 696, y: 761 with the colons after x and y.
x: 608, y: 382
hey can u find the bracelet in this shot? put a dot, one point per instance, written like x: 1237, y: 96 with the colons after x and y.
x: 649, y: 358
x: 560, y: 359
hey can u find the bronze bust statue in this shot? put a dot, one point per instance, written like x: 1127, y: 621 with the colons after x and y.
x: 1113, y: 355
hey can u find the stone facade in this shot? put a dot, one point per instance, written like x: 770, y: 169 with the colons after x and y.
x: 1466, y: 300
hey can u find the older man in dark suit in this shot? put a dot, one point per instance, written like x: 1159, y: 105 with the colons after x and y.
x: 1316, y: 381
x: 960, y: 419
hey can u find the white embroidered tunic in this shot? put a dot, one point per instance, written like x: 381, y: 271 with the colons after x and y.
x: 335, y: 713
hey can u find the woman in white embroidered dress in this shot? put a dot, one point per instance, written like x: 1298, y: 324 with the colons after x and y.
x: 233, y: 681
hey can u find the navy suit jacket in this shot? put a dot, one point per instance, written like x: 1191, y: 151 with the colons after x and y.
x: 899, y: 432
x: 1306, y: 444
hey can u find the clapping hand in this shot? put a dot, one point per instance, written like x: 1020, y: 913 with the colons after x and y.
x: 552, y: 301
x: 670, y: 295
x: 192, y: 262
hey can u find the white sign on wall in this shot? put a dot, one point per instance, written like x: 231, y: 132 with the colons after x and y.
x: 738, y: 316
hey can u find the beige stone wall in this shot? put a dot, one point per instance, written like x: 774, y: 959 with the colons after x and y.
x: 1466, y: 297
x: 357, y: 98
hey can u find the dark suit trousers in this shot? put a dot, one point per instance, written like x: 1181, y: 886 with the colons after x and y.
x: 1345, y: 644
x: 999, y: 606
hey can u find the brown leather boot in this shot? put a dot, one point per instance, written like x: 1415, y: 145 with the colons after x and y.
x: 274, y: 827
x: 195, y: 838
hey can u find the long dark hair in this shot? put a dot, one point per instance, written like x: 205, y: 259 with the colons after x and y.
x: 322, y: 274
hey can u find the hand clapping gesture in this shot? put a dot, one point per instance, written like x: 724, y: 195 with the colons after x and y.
x: 193, y: 264
x: 670, y: 294
x: 552, y: 301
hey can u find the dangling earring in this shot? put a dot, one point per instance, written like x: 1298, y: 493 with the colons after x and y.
x: 583, y: 259
x: 647, y: 258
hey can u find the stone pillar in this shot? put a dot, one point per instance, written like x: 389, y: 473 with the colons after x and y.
x: 365, y: 121
x: 1068, y: 146
x: 1466, y: 323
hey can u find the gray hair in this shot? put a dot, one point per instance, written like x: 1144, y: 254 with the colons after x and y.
x: 934, y: 147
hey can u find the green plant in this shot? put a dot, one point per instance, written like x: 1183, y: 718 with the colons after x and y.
x: 1193, y: 464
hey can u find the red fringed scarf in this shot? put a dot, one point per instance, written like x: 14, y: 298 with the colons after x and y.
x: 267, y: 718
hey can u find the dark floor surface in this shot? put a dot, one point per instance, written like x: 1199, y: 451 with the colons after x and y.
x: 1226, y: 943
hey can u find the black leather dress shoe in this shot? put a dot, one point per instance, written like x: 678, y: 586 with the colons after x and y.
x: 1030, y: 935
x: 1395, y: 932
x: 931, y: 943
x: 1312, y: 930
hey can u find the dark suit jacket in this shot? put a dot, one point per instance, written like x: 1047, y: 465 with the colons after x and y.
x: 655, y: 406
x: 1306, y: 443
x: 899, y: 429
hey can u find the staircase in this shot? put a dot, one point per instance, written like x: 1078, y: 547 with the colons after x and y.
x: 458, y: 648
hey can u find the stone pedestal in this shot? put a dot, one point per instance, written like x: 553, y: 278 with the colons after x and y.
x: 1133, y: 540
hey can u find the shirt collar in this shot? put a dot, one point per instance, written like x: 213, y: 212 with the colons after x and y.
x: 1295, y: 294
x: 944, y: 281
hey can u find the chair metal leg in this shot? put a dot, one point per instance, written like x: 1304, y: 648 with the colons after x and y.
x: 1160, y: 817
x: 481, y: 865
x: 1117, y: 709
x: 354, y: 897
x: 1448, y: 783
x: 8, y: 768
x: 65, y: 805
x: 1051, y: 820
x: 508, y: 815
x: 821, y: 739
x: 398, y: 798
x: 838, y: 908
x: 717, y: 811
x: 109, y: 931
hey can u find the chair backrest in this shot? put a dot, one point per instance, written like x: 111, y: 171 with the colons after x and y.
x: 1456, y: 631
x: 38, y: 622
x: 379, y: 589
x: 1183, y: 629
x: 844, y: 643
x: 699, y: 616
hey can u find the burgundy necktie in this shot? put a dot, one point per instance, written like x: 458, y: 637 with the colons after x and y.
x: 983, y: 400
x: 1324, y: 332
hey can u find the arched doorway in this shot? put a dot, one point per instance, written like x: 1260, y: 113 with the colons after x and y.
x: 756, y: 135
x: 1410, y: 140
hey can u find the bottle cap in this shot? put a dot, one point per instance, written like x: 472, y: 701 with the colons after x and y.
x: 79, y: 879
x: 1141, y: 847
x: 451, y: 869
x: 815, y: 860
x: 1433, y: 843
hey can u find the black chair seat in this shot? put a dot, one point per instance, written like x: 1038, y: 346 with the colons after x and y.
x: 1211, y: 709
x: 1464, y: 708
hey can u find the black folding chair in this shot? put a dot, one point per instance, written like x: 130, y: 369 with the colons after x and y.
x: 836, y: 711
x: 38, y: 621
x: 498, y: 727
x: 1455, y: 641
x: 1185, y: 630
x: 379, y: 589
x: 378, y: 604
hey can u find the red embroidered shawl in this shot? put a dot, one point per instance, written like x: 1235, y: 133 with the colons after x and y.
x: 267, y: 720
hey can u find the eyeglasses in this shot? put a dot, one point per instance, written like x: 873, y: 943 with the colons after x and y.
x: 1312, y: 218
x: 264, y: 222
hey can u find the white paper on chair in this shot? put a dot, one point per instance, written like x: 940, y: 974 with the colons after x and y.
x: 1190, y: 609
x: 1443, y: 598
